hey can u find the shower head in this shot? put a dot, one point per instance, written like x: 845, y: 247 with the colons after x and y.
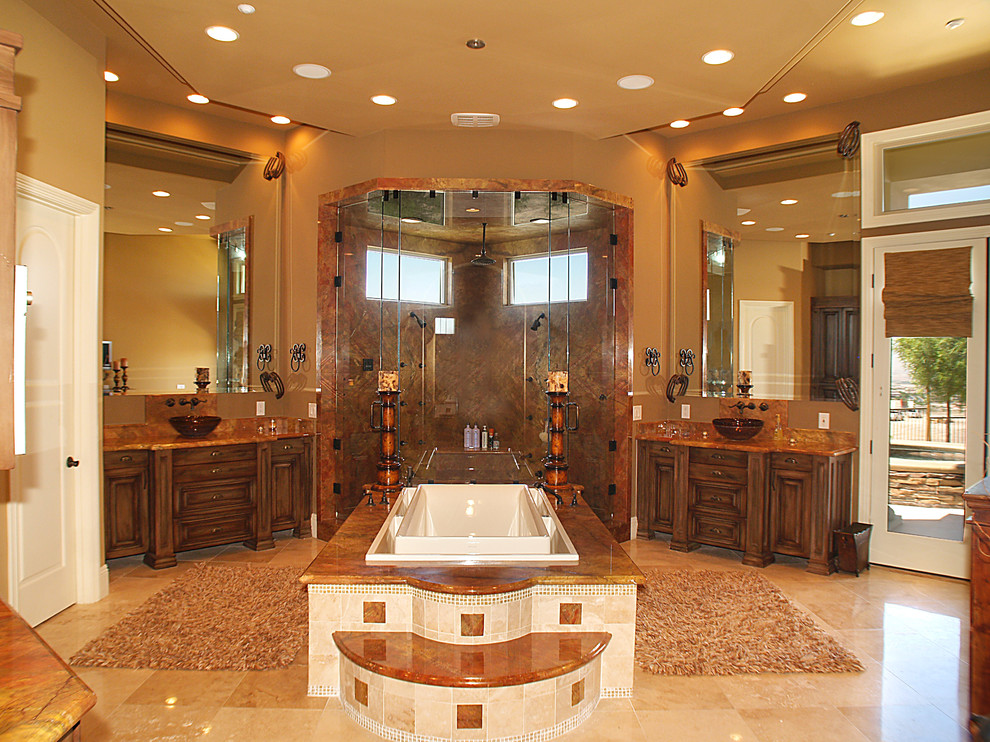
x: 536, y: 323
x: 420, y: 322
x: 482, y: 258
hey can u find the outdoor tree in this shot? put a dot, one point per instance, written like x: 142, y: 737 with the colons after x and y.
x: 938, y: 366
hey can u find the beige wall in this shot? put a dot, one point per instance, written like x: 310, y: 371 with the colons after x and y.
x: 159, y: 307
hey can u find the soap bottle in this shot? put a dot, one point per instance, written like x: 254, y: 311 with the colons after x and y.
x: 484, y: 438
x: 778, y: 432
x: 468, y: 436
x: 495, y: 442
x: 475, y: 437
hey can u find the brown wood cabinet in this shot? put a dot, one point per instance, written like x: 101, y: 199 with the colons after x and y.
x: 168, y: 500
x: 758, y: 502
x: 978, y: 499
x: 834, y: 343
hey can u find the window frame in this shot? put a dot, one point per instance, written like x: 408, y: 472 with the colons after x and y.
x: 445, y: 287
x: 510, y: 276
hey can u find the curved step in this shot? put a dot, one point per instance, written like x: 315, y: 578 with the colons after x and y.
x: 406, y: 656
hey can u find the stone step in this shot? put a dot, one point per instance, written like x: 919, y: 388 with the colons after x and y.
x: 403, y: 655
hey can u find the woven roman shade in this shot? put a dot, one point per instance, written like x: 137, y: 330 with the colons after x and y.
x: 926, y: 293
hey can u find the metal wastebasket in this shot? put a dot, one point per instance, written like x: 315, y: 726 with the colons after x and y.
x: 853, y: 546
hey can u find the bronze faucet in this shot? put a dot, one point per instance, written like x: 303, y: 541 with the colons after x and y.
x: 751, y: 406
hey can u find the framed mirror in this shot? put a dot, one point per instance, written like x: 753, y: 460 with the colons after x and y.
x: 233, y: 303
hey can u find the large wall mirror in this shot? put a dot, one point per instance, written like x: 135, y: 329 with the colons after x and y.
x: 777, y: 232
x: 182, y: 224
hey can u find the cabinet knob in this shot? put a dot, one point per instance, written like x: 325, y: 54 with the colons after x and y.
x: 215, y: 497
x: 214, y: 530
x: 718, y: 456
x: 214, y: 453
x: 789, y: 460
x: 716, y: 498
x: 717, y: 473
x: 286, y: 447
x: 717, y: 530
x: 215, y: 471
x: 125, y: 458
x: 665, y: 449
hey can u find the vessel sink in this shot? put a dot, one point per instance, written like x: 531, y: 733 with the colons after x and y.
x: 737, y: 428
x: 194, y: 426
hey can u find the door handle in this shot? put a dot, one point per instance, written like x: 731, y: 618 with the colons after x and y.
x: 71, y: 462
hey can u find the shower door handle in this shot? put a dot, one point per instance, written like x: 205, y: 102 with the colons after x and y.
x: 567, y: 416
x: 381, y: 413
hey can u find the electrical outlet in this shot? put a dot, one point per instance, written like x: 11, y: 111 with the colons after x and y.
x: 312, y: 409
x: 685, y: 412
x: 824, y: 420
x: 259, y: 407
x: 637, y: 412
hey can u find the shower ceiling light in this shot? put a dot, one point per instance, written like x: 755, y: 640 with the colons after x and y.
x: 383, y: 100
x: 635, y: 82
x: 246, y: 8
x: 794, y: 97
x: 202, y: 216
x: 564, y: 103
x: 748, y: 223
x: 311, y: 71
x: 802, y: 236
x: 164, y: 229
x: 161, y: 194
x: 867, y: 19
x: 717, y: 56
x: 789, y: 201
x: 281, y: 120
x: 679, y: 124
x: 110, y: 76
x: 222, y: 33
x: 732, y: 112
x: 197, y: 98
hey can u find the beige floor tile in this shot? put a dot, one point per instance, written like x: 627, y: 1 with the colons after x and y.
x: 239, y: 553
x: 112, y: 686
x: 659, y: 692
x: 608, y: 726
x: 284, y: 688
x: 131, y: 723
x: 899, y: 723
x: 696, y: 726
x: 771, y: 691
x: 334, y: 725
x: 285, y: 725
x: 802, y: 724
x: 181, y: 688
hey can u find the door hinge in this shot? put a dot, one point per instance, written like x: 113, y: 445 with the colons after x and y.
x: 613, y: 283
x: 613, y: 445
x: 338, y: 281
x: 611, y: 489
x: 336, y: 488
x: 871, y: 447
x: 871, y: 360
x: 613, y: 239
x: 338, y: 236
x: 873, y: 280
x: 337, y: 444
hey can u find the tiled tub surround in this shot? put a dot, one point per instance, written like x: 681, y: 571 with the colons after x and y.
x: 473, y: 605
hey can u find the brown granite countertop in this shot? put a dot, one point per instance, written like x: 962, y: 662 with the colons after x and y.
x: 600, y: 560
x: 40, y: 697
x: 793, y: 440
x: 158, y: 436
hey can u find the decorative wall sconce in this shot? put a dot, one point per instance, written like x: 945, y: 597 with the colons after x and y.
x: 264, y: 356
x: 676, y: 173
x: 297, y: 356
x: 653, y: 360
x: 848, y: 144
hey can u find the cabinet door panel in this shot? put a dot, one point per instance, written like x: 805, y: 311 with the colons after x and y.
x: 790, y: 512
x: 286, y: 485
x: 126, y: 512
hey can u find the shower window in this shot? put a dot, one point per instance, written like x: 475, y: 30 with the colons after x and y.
x: 423, y: 277
x: 538, y: 279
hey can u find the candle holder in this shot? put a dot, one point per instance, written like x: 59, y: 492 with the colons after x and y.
x: 116, y: 381
x: 202, y: 378
x: 744, y: 390
x: 123, y: 379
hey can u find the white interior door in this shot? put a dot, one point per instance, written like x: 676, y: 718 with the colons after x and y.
x: 918, y: 455
x: 766, y: 346
x: 54, y: 506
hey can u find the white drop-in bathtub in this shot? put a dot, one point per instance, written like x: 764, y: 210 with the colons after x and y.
x: 472, y: 523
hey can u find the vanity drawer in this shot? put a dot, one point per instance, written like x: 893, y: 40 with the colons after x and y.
x: 724, y: 499
x: 212, y: 531
x: 215, y: 471
x: 287, y: 446
x: 210, y: 454
x: 117, y: 459
x: 718, y: 473
x: 659, y: 450
x: 792, y: 461
x: 196, y: 497
x: 716, y: 531
x: 718, y: 457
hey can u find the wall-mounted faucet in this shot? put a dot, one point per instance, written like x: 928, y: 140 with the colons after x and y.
x: 192, y: 402
x: 751, y: 406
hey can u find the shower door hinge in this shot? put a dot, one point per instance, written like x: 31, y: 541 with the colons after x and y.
x: 871, y: 360
x: 611, y: 490
x: 433, y: 194
x: 871, y: 447
x: 338, y: 236
x: 338, y: 281
x: 563, y: 197
x: 336, y: 488
x: 613, y: 445
x: 873, y: 280
x: 337, y: 443
x: 613, y: 283
x: 613, y: 239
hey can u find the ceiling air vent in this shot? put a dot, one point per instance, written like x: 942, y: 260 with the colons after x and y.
x: 474, y: 120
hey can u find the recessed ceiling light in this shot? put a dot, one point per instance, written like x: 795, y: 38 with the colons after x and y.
x: 311, y: 71
x: 802, y: 236
x: 679, y: 124
x: 867, y: 19
x: 564, y: 103
x: 110, y: 76
x: 222, y: 33
x: 540, y: 220
x: 202, y: 216
x: 748, y: 223
x: 955, y: 23
x: 197, y: 98
x: 281, y: 120
x: 161, y: 194
x: 635, y: 82
x: 775, y: 229
x: 794, y: 97
x: 472, y: 209
x: 383, y: 100
x: 732, y: 112
x: 164, y: 229
x: 789, y: 201
x: 246, y: 8
x: 183, y: 224
x: 410, y: 220
x: 474, y: 44
x: 717, y: 56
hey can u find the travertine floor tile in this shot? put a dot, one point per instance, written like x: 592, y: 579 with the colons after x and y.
x: 130, y: 723
x: 608, y: 726
x: 284, y: 688
x: 898, y: 723
x: 181, y: 688
x: 802, y: 724
x: 334, y: 725
x: 288, y: 725
x: 696, y: 726
x: 659, y: 692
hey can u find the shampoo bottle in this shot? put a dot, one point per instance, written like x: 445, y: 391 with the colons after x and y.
x: 468, y: 437
x: 484, y: 438
x: 475, y: 437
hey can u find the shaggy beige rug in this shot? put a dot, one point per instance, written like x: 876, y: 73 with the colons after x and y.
x: 210, y: 618
x: 728, y: 623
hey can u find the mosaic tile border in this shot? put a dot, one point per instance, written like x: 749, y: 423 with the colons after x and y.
x: 616, y: 693
x: 475, y: 600
x: 397, y: 735
x: 323, y: 691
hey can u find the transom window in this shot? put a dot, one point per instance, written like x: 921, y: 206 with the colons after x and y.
x: 412, y: 277
x: 537, y: 279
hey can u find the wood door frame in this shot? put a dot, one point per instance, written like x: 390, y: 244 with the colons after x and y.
x: 92, y: 576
